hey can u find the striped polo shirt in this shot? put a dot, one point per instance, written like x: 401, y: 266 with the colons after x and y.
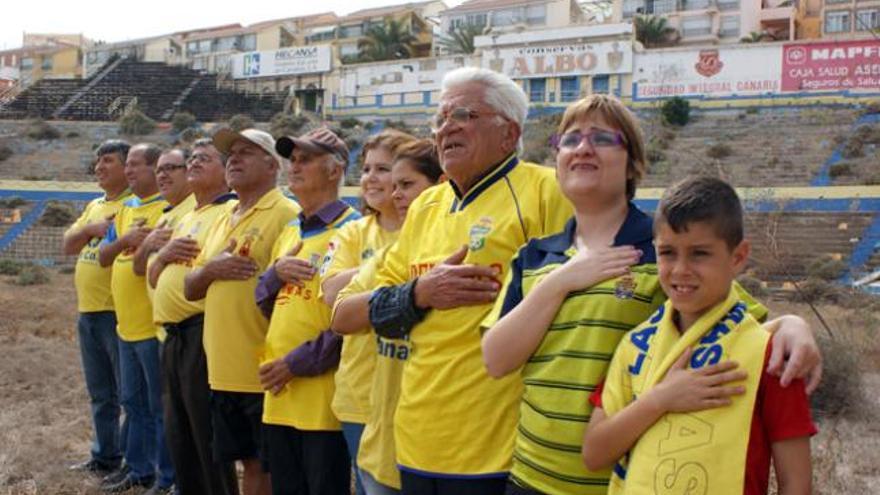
x: 573, y: 355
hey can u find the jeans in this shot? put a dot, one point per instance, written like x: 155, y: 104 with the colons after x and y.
x: 99, y: 350
x: 373, y: 487
x: 146, y: 452
x: 352, y: 433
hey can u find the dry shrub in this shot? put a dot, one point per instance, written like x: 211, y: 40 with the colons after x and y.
x: 5, y: 152
x: 10, y: 267
x: 12, y: 202
x: 181, y: 121
x: 287, y: 124
x: 33, y: 275
x: 826, y: 268
x: 719, y: 151
x: 57, y: 215
x: 753, y: 285
x: 136, y: 123
x: 240, y: 122
x: 40, y: 129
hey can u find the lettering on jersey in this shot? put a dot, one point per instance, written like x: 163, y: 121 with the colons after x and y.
x: 419, y: 269
x: 290, y: 290
x: 478, y: 233
x: 247, y: 242
x: 393, y: 349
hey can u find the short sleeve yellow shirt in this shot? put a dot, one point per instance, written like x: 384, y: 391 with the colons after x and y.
x: 169, y: 220
x: 235, y: 330
x: 453, y: 418
x: 134, y: 313
x: 92, y: 281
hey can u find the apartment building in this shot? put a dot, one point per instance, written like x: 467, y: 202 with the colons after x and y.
x: 499, y: 16
x: 848, y: 19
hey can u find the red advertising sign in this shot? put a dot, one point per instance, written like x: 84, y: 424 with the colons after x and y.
x: 835, y: 66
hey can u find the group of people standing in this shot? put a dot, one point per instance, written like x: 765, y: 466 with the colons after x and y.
x: 444, y: 338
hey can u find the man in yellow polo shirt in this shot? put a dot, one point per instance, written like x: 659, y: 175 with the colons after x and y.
x: 454, y: 425
x: 96, y: 328
x: 237, y: 249
x: 305, y: 448
x: 146, y: 455
x: 184, y: 368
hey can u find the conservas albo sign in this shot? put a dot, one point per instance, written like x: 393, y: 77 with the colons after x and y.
x: 608, y: 57
x: 286, y: 61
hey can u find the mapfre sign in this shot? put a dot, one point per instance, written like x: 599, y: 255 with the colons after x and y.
x: 838, y: 66
x: 711, y: 72
x: 286, y: 61
x: 610, y: 57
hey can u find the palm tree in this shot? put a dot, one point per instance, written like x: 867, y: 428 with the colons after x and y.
x: 388, y: 41
x: 461, y: 39
x: 652, y: 31
x: 757, y: 37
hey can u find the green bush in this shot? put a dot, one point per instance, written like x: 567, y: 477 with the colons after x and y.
x: 719, y: 151
x: 136, y: 123
x: 676, y: 111
x: 181, y: 121
x: 826, y: 268
x: 287, y: 124
x: 5, y: 152
x: 349, y: 122
x: 10, y: 267
x: 240, y: 122
x: 840, y: 170
x: 33, y: 275
x: 57, y: 215
x: 12, y: 202
x: 40, y: 129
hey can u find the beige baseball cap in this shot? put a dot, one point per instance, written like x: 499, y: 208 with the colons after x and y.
x: 224, y: 139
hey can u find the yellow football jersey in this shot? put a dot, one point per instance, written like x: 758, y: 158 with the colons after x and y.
x: 354, y: 245
x: 299, y: 316
x: 134, y: 314
x: 169, y: 219
x: 169, y: 304
x: 235, y: 330
x: 92, y: 281
x: 453, y: 418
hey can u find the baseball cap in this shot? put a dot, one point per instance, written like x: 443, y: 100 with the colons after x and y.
x: 224, y: 138
x: 321, y: 140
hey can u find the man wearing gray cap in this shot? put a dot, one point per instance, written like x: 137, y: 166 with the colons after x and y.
x: 305, y: 448
x: 225, y: 275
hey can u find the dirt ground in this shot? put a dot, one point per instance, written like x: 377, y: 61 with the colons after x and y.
x: 44, y: 414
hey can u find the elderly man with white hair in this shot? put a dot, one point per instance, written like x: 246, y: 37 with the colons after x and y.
x: 454, y: 423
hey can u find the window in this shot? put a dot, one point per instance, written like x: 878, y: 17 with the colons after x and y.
x: 226, y: 44
x: 350, y: 49
x: 569, y: 88
x: 249, y: 42
x: 695, y: 4
x: 832, y: 2
x: 223, y: 63
x: 200, y: 63
x: 204, y: 46
x: 696, y: 26
x: 47, y: 63
x: 661, y: 6
x: 601, y: 84
x: 506, y: 17
x: 351, y: 31
x: 631, y: 7
x: 727, y: 5
x: 867, y: 20
x: 477, y: 19
x: 837, y: 22
x: 536, y: 89
x: 536, y: 15
x: 27, y: 63
x: 730, y: 26
x: 192, y: 47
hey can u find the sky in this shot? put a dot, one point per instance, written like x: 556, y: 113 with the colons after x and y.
x: 120, y: 20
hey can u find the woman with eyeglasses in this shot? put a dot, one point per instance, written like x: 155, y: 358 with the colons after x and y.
x: 570, y: 297
x: 354, y: 245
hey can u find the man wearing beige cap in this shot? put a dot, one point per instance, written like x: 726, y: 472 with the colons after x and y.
x: 305, y: 448
x: 225, y: 275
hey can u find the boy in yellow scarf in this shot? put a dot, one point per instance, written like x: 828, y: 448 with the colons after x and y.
x: 667, y: 418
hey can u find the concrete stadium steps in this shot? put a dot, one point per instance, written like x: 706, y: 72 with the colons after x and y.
x: 772, y: 149
x: 41, y: 99
x: 785, y: 243
x: 212, y: 104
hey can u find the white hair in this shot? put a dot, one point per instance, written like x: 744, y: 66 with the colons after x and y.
x: 502, y: 94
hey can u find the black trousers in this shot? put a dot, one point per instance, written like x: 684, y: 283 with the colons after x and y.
x: 187, y: 404
x: 417, y: 484
x: 306, y: 462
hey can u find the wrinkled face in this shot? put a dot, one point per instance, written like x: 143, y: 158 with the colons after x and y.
x: 139, y: 173
x: 249, y: 166
x: 311, y: 175
x: 205, y: 169
x: 696, y: 267
x: 595, y: 166
x: 376, y: 184
x: 171, y: 176
x: 110, y: 172
x: 469, y: 148
x: 408, y: 184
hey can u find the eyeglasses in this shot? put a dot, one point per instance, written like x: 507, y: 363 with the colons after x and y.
x: 459, y: 115
x: 167, y: 169
x: 597, y: 139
